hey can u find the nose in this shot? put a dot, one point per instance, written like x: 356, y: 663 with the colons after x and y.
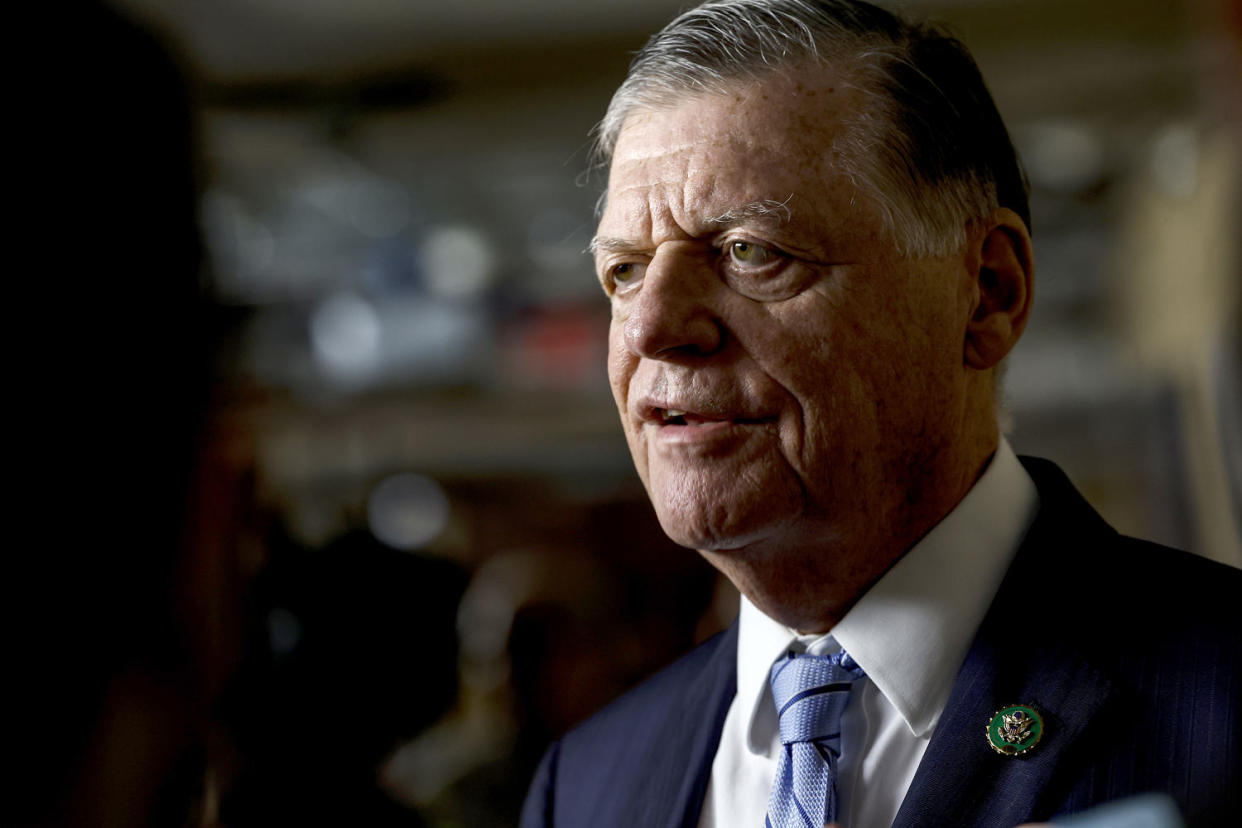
x: 673, y: 314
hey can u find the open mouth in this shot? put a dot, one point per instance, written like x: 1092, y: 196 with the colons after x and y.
x: 673, y: 416
x: 681, y: 417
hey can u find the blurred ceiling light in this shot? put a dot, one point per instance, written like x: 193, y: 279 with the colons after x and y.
x: 345, y: 336
x: 407, y: 511
x: 1175, y: 160
x: 457, y: 262
x: 1062, y: 156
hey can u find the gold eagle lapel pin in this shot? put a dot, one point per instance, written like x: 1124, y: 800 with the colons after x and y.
x: 1015, y: 730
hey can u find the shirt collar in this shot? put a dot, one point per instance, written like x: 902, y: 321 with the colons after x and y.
x: 911, y: 630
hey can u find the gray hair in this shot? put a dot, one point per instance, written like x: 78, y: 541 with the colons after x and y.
x: 928, y: 144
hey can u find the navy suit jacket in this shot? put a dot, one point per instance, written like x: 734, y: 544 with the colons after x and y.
x: 1130, y: 651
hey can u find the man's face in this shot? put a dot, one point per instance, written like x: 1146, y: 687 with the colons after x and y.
x: 781, y: 372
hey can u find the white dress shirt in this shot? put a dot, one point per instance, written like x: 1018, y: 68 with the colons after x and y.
x: 909, y: 633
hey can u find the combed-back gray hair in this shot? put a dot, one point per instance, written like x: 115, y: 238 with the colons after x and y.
x: 927, y: 144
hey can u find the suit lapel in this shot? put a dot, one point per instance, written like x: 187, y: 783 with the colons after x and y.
x: 646, y: 758
x: 961, y: 780
x: 706, y: 704
x: 1024, y: 653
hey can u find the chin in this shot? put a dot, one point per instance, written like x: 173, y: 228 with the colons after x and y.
x: 721, y: 533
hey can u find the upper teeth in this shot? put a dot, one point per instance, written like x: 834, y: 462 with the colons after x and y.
x: 670, y: 413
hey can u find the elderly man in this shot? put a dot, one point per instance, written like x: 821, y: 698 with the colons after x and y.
x: 816, y: 246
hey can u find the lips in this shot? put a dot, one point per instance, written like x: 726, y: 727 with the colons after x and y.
x: 709, y: 426
x: 678, y: 415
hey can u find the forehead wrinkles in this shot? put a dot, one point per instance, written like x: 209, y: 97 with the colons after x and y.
x: 696, y: 185
x: 648, y: 188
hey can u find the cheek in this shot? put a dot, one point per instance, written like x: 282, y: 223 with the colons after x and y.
x: 838, y: 376
x: 806, y: 350
x: 621, y: 365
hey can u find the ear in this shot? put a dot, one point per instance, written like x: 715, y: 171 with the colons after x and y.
x: 1003, y: 268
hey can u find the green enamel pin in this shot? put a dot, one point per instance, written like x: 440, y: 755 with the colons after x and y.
x: 1014, y: 730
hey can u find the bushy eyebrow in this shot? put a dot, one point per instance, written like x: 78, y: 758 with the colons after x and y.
x: 767, y: 209
x: 612, y: 245
x: 756, y: 209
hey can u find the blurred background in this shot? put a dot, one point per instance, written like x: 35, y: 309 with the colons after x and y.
x: 414, y: 548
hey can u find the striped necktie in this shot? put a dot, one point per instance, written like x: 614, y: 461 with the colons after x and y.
x: 811, y: 692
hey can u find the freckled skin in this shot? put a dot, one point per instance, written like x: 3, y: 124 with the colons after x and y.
x: 858, y: 423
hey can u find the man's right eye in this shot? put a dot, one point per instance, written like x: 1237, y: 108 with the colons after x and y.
x: 626, y: 273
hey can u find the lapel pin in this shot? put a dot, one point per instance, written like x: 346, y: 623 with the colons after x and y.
x: 1014, y: 730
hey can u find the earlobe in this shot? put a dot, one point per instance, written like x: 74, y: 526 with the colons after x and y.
x: 1004, y: 280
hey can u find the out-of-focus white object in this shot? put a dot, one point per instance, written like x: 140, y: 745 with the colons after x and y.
x: 408, y: 511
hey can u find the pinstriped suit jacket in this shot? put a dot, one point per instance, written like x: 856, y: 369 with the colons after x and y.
x: 1130, y: 650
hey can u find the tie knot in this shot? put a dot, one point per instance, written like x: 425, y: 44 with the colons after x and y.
x: 811, y: 693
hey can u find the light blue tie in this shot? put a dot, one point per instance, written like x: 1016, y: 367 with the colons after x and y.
x: 811, y: 693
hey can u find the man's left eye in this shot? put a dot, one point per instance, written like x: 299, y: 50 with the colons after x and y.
x: 750, y: 254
